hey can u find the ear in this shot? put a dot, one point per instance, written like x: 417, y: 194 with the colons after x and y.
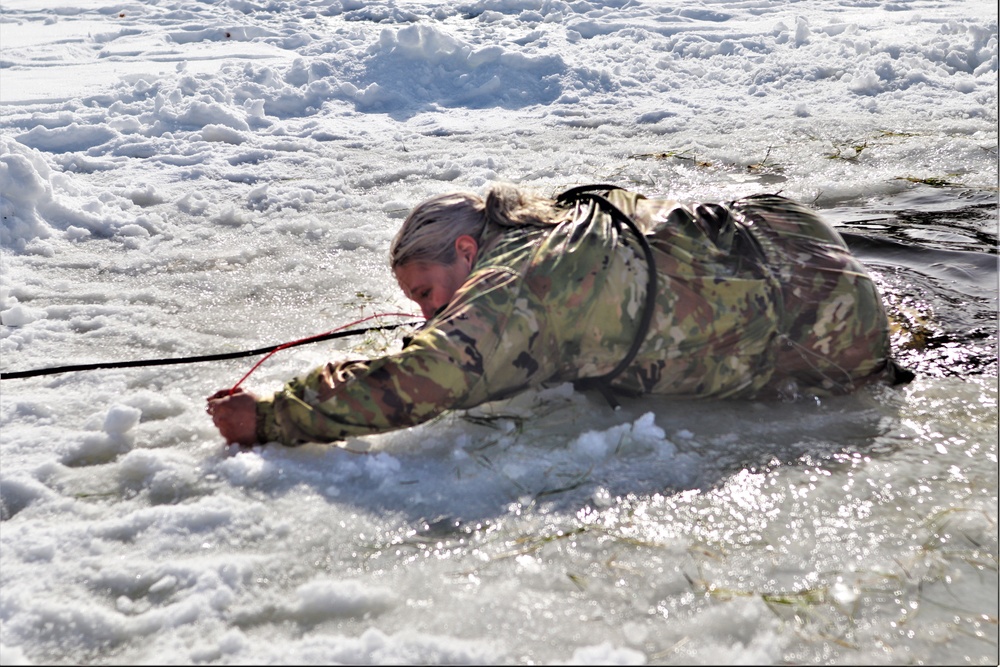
x: 466, y: 248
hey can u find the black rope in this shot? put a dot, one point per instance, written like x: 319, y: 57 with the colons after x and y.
x: 603, y: 382
x: 192, y: 360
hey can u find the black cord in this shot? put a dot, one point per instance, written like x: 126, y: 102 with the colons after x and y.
x: 191, y: 360
x: 585, y: 193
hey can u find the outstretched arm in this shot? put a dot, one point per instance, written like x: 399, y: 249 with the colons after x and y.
x: 355, y: 398
x: 481, y: 348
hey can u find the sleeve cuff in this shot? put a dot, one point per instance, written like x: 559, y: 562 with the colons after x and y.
x: 267, y: 424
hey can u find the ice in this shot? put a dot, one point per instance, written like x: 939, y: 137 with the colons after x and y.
x: 191, y: 178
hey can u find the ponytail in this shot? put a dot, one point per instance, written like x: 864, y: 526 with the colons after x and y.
x: 509, y: 206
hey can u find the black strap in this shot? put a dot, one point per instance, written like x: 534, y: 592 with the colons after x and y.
x: 190, y: 360
x: 586, y: 192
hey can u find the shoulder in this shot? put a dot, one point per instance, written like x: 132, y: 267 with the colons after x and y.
x: 487, y: 289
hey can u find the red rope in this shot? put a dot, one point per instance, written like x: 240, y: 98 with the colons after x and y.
x: 310, y: 338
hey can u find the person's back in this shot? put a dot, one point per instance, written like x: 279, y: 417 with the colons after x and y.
x: 575, y: 308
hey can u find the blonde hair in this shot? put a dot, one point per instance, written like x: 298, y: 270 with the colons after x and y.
x: 430, y: 230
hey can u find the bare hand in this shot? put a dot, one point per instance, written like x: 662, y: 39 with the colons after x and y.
x: 235, y: 415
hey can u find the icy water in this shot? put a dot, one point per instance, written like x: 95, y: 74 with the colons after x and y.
x: 547, y: 528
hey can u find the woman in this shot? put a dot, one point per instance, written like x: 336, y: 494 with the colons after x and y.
x: 601, y: 287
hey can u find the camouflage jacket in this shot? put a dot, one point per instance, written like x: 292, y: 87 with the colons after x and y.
x: 753, y: 298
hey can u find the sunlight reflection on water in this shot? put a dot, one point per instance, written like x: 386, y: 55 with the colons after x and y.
x: 865, y: 523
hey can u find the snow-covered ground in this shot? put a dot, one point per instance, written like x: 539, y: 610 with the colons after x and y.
x: 185, y: 178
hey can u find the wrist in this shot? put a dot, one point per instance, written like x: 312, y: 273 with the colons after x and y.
x: 265, y: 422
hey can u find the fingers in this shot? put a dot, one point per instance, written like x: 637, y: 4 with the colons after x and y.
x: 223, y: 393
x: 221, y: 396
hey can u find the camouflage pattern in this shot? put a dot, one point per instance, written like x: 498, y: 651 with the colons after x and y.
x: 757, y: 298
x: 834, y: 332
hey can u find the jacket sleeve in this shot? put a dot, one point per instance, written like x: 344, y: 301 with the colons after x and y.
x: 488, y: 343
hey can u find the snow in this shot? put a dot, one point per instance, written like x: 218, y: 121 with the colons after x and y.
x: 189, y: 178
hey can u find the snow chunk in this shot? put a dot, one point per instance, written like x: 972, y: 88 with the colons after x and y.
x: 321, y: 599
x: 38, y: 201
x: 24, y: 181
x: 421, y: 63
x: 601, y: 444
x: 157, y: 405
x: 246, y: 468
x: 20, y: 315
x: 121, y: 419
x: 73, y: 138
x: 222, y: 134
x: 17, y: 493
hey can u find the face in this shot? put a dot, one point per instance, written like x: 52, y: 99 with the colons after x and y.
x: 431, y: 285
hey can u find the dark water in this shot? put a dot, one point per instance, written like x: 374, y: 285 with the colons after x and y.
x: 933, y: 253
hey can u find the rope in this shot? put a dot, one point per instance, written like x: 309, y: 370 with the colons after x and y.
x: 269, y: 351
x: 583, y: 193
